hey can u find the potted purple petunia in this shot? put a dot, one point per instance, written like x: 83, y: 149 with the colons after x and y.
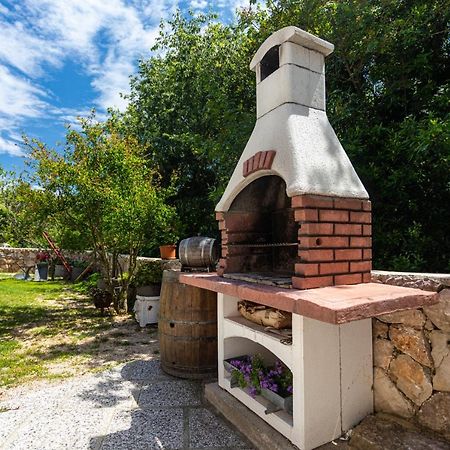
x: 273, y: 382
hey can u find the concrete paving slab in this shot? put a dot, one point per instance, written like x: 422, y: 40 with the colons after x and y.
x: 133, y: 406
x: 170, y: 394
x: 144, y: 370
x: 150, y: 429
x: 208, y: 430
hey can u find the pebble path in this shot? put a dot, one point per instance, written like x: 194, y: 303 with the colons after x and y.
x: 134, y: 406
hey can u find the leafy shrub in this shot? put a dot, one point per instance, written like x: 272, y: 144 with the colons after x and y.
x: 149, y: 273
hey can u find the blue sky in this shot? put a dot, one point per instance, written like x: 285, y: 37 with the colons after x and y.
x: 60, y: 58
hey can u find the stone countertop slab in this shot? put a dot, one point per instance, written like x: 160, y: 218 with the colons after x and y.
x: 335, y: 304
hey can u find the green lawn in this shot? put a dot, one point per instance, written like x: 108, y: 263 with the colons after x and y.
x: 49, y: 330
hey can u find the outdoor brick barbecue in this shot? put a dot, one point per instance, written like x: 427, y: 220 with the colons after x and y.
x: 296, y: 235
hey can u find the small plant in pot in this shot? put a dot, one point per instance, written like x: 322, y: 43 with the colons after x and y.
x: 170, y: 237
x: 148, y: 278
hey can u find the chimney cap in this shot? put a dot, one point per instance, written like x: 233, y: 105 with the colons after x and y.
x: 295, y: 35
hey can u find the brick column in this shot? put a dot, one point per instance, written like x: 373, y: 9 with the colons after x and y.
x: 335, y: 244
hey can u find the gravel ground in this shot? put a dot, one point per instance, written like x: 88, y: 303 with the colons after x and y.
x: 131, y: 407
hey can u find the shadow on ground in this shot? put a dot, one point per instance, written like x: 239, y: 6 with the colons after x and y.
x: 164, y: 412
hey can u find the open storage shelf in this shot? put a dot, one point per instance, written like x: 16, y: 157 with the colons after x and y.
x: 238, y: 326
x: 280, y: 420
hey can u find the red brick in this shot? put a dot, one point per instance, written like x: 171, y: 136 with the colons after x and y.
x: 257, y: 161
x: 331, y: 268
x: 327, y: 215
x: 367, y: 277
x: 367, y: 253
x: 348, y: 203
x: 224, y: 251
x: 311, y: 282
x: 360, y: 217
x: 268, y: 160
x: 306, y: 215
x: 347, y: 229
x: 311, y: 201
x: 220, y: 216
x: 316, y: 255
x: 222, y: 225
x: 315, y: 229
x: 348, y: 255
x: 220, y: 271
x: 307, y: 269
x: 324, y: 242
x: 353, y: 278
x: 222, y: 262
x: 360, y: 242
x: 245, y: 170
x: 367, y: 205
x: 361, y: 266
x: 367, y: 230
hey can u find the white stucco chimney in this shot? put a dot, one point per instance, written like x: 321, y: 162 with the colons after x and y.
x: 292, y: 123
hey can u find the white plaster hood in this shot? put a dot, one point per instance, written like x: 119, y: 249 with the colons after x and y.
x: 291, y: 120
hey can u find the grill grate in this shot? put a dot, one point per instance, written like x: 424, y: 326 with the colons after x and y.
x: 274, y: 244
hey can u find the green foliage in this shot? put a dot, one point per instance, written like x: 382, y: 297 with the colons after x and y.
x: 102, y: 186
x: 185, y: 105
x: 85, y: 287
x: 149, y: 273
x: 388, y: 97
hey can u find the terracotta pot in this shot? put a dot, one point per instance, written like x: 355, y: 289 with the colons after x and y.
x: 168, y: 251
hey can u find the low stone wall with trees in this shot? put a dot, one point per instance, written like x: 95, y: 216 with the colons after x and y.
x: 411, y: 352
x: 14, y: 259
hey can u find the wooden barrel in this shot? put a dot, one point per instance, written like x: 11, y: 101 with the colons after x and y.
x: 198, y: 251
x: 187, y: 328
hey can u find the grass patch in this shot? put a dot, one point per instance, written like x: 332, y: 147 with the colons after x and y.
x: 48, y: 329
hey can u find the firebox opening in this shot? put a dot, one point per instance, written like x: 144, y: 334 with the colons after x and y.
x: 270, y: 62
x: 262, y: 232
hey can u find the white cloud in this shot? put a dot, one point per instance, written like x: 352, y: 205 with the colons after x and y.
x: 198, y: 4
x: 19, y: 97
x: 10, y: 147
x: 104, y: 37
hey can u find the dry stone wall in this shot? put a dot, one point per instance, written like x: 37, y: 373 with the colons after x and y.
x: 14, y: 259
x: 411, y: 355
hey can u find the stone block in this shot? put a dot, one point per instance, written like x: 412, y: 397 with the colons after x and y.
x: 441, y: 379
x: 388, y: 398
x: 435, y: 414
x: 440, y: 346
x: 382, y: 353
x: 411, y: 378
x: 440, y: 312
x: 384, y: 432
x: 412, y: 342
x: 379, y: 329
x: 410, y: 318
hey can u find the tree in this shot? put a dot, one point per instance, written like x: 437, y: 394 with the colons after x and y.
x: 193, y: 105
x: 388, y: 95
x: 103, y: 185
